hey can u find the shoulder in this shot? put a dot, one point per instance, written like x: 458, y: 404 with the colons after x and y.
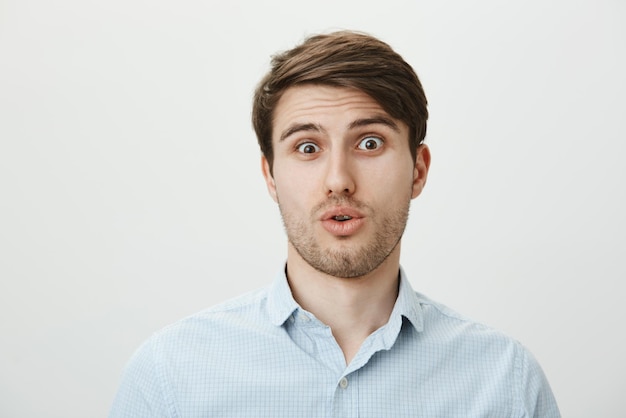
x: 441, y: 319
x: 204, y: 337
x: 184, y: 351
x: 482, y: 350
x: 468, y: 340
x: 217, y: 322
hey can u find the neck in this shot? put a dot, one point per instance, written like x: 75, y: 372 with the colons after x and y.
x: 352, y: 307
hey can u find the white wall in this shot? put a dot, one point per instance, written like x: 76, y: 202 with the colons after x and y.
x: 131, y: 195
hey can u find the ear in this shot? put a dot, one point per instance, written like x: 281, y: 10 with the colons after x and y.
x: 269, y: 179
x: 420, y: 171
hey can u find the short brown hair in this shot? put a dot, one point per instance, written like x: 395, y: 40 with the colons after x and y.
x: 343, y: 59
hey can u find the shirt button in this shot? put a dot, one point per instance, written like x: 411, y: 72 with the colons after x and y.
x: 343, y: 383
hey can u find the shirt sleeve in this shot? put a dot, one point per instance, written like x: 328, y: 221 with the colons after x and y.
x: 141, y: 392
x: 536, y: 396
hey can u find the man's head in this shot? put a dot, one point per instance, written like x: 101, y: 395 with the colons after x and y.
x: 343, y: 59
x: 340, y: 120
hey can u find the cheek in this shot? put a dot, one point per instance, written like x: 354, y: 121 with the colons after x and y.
x: 392, y: 180
x: 293, y: 189
x: 294, y: 174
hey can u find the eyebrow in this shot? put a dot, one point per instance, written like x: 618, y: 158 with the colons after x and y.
x: 299, y: 127
x: 314, y: 127
x: 377, y: 120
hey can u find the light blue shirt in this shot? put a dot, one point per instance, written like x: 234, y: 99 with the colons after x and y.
x: 261, y: 355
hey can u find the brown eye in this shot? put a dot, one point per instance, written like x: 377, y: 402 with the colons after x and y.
x: 370, y: 143
x: 308, y: 148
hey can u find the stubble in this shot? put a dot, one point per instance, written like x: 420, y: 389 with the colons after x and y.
x: 347, y: 259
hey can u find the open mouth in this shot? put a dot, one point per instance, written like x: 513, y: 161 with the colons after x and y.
x: 343, y: 221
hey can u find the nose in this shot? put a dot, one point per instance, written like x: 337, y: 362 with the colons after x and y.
x: 339, y: 174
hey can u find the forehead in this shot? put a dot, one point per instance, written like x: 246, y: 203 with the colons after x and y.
x: 325, y: 105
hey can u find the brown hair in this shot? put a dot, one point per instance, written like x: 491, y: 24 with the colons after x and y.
x: 343, y: 59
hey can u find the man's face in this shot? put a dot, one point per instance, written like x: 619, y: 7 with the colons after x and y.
x: 343, y: 177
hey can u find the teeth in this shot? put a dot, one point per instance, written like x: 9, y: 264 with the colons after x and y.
x: 342, y: 217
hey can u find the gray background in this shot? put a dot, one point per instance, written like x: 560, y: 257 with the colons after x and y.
x: 131, y: 194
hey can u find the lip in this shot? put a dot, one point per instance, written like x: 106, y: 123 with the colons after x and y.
x: 342, y: 228
x: 341, y: 210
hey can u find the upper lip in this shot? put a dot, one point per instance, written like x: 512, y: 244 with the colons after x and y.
x: 341, y: 211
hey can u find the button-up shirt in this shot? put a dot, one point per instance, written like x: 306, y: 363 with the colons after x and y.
x: 262, y: 355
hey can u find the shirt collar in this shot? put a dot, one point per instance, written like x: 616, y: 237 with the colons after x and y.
x: 408, y: 304
x: 281, y: 303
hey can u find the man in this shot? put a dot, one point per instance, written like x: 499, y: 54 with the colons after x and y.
x: 341, y: 121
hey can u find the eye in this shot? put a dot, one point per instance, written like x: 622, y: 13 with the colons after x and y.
x: 308, y: 148
x: 370, y: 143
